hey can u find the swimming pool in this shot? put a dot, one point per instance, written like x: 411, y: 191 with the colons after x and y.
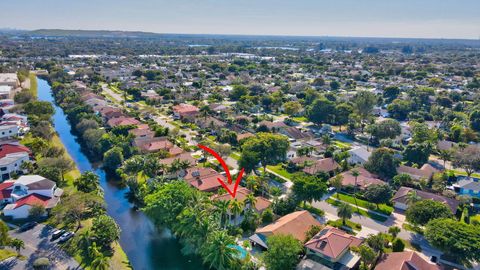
x: 242, y: 251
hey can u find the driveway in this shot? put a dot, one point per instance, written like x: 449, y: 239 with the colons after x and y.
x: 37, y: 244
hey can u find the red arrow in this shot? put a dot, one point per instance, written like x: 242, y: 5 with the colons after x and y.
x: 227, y: 172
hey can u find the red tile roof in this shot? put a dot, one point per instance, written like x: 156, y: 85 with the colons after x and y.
x: 332, y: 242
x: 363, y: 180
x: 322, y: 165
x: 6, y: 149
x: 405, y: 260
x: 32, y: 199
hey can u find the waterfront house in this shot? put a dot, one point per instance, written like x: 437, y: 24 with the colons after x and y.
x: 12, y: 163
x: 296, y: 224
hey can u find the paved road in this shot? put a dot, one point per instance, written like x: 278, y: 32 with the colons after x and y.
x: 118, y: 98
x: 37, y: 244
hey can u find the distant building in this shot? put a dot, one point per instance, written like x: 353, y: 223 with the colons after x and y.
x: 9, y: 79
x: 358, y: 155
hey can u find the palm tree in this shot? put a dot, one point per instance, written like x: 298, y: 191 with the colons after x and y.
x: 412, y: 197
x: 17, y: 244
x: 93, y: 251
x: 236, y: 207
x: 394, y: 231
x: 222, y: 207
x: 344, y: 211
x: 84, y: 239
x: 251, y: 201
x: 252, y: 183
x: 219, y: 251
x: 175, y: 167
x: 101, y: 262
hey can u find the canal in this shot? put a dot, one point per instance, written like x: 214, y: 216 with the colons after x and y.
x: 146, y: 247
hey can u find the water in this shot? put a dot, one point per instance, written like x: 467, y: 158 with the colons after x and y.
x: 145, y: 247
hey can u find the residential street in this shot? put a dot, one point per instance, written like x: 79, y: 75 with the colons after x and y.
x: 38, y: 244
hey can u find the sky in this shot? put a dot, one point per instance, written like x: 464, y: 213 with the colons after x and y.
x: 360, y: 18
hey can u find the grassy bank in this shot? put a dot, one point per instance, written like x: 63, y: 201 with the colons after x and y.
x: 33, y: 84
x: 6, y: 253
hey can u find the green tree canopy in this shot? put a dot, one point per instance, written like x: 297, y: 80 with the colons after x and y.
x: 458, y: 239
x: 421, y: 212
x: 383, y: 163
x: 282, y: 253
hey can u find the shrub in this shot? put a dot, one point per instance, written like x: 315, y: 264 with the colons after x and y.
x: 398, y: 245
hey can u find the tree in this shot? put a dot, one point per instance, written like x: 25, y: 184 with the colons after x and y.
x: 334, y: 85
x: 39, y: 108
x: 382, y: 163
x: 394, y: 231
x: 380, y: 193
x: 321, y: 111
x: 100, y: 262
x: 308, y: 188
x: 77, y: 206
x: 105, y: 231
x: 265, y: 148
x: 421, y: 133
x: 412, y: 197
x: 391, y: 92
x: 4, y: 238
x: 87, y: 182
x: 37, y: 211
x: 312, y: 231
x: 468, y: 159
x: 367, y: 255
x: 337, y: 182
x: 363, y: 103
x: 113, y: 158
x: 389, y: 128
x: 236, y: 207
x: 376, y: 242
x: 420, y: 213
x: 399, y: 108
x: 282, y: 253
x: 402, y: 179
x: 238, y: 91
x: 62, y: 164
x: 292, y: 107
x: 475, y: 120
x: 219, y: 251
x: 17, y: 244
x: 344, y: 211
x: 398, y: 245
x: 455, y: 238
x: 417, y: 153
x: 342, y: 113
x: 445, y: 155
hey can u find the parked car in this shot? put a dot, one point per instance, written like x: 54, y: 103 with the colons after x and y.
x: 331, y: 189
x: 65, y: 237
x: 27, y: 226
x: 56, y: 234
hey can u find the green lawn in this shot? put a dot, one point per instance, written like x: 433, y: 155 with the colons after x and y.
x: 278, y: 169
x: 359, y: 211
x: 342, y: 145
x: 382, y: 208
x: 235, y: 156
x: 313, y: 210
x: 462, y: 173
x: 300, y: 119
x: 6, y: 253
x: 409, y: 227
x: 349, y: 224
x: 33, y: 84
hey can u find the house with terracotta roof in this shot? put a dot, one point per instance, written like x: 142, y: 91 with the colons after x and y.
x: 11, y: 148
x: 122, y: 121
x: 185, y: 111
x: 425, y: 172
x: 295, y: 224
x: 400, y: 198
x: 331, y: 247
x: 406, y: 260
x: 185, y: 156
x: 142, y: 131
x: 205, y: 179
x: 17, y: 118
x: 155, y: 144
x: 27, y: 191
x: 260, y: 205
x: 109, y: 112
x: 362, y: 181
x: 326, y: 165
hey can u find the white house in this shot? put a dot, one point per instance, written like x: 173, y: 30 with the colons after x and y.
x: 9, y: 79
x: 11, y: 163
x: 358, y: 155
x: 30, y: 190
x: 8, y: 131
x: 13, y: 117
x: 5, y: 91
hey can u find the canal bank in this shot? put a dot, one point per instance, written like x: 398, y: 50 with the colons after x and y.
x: 145, y: 247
